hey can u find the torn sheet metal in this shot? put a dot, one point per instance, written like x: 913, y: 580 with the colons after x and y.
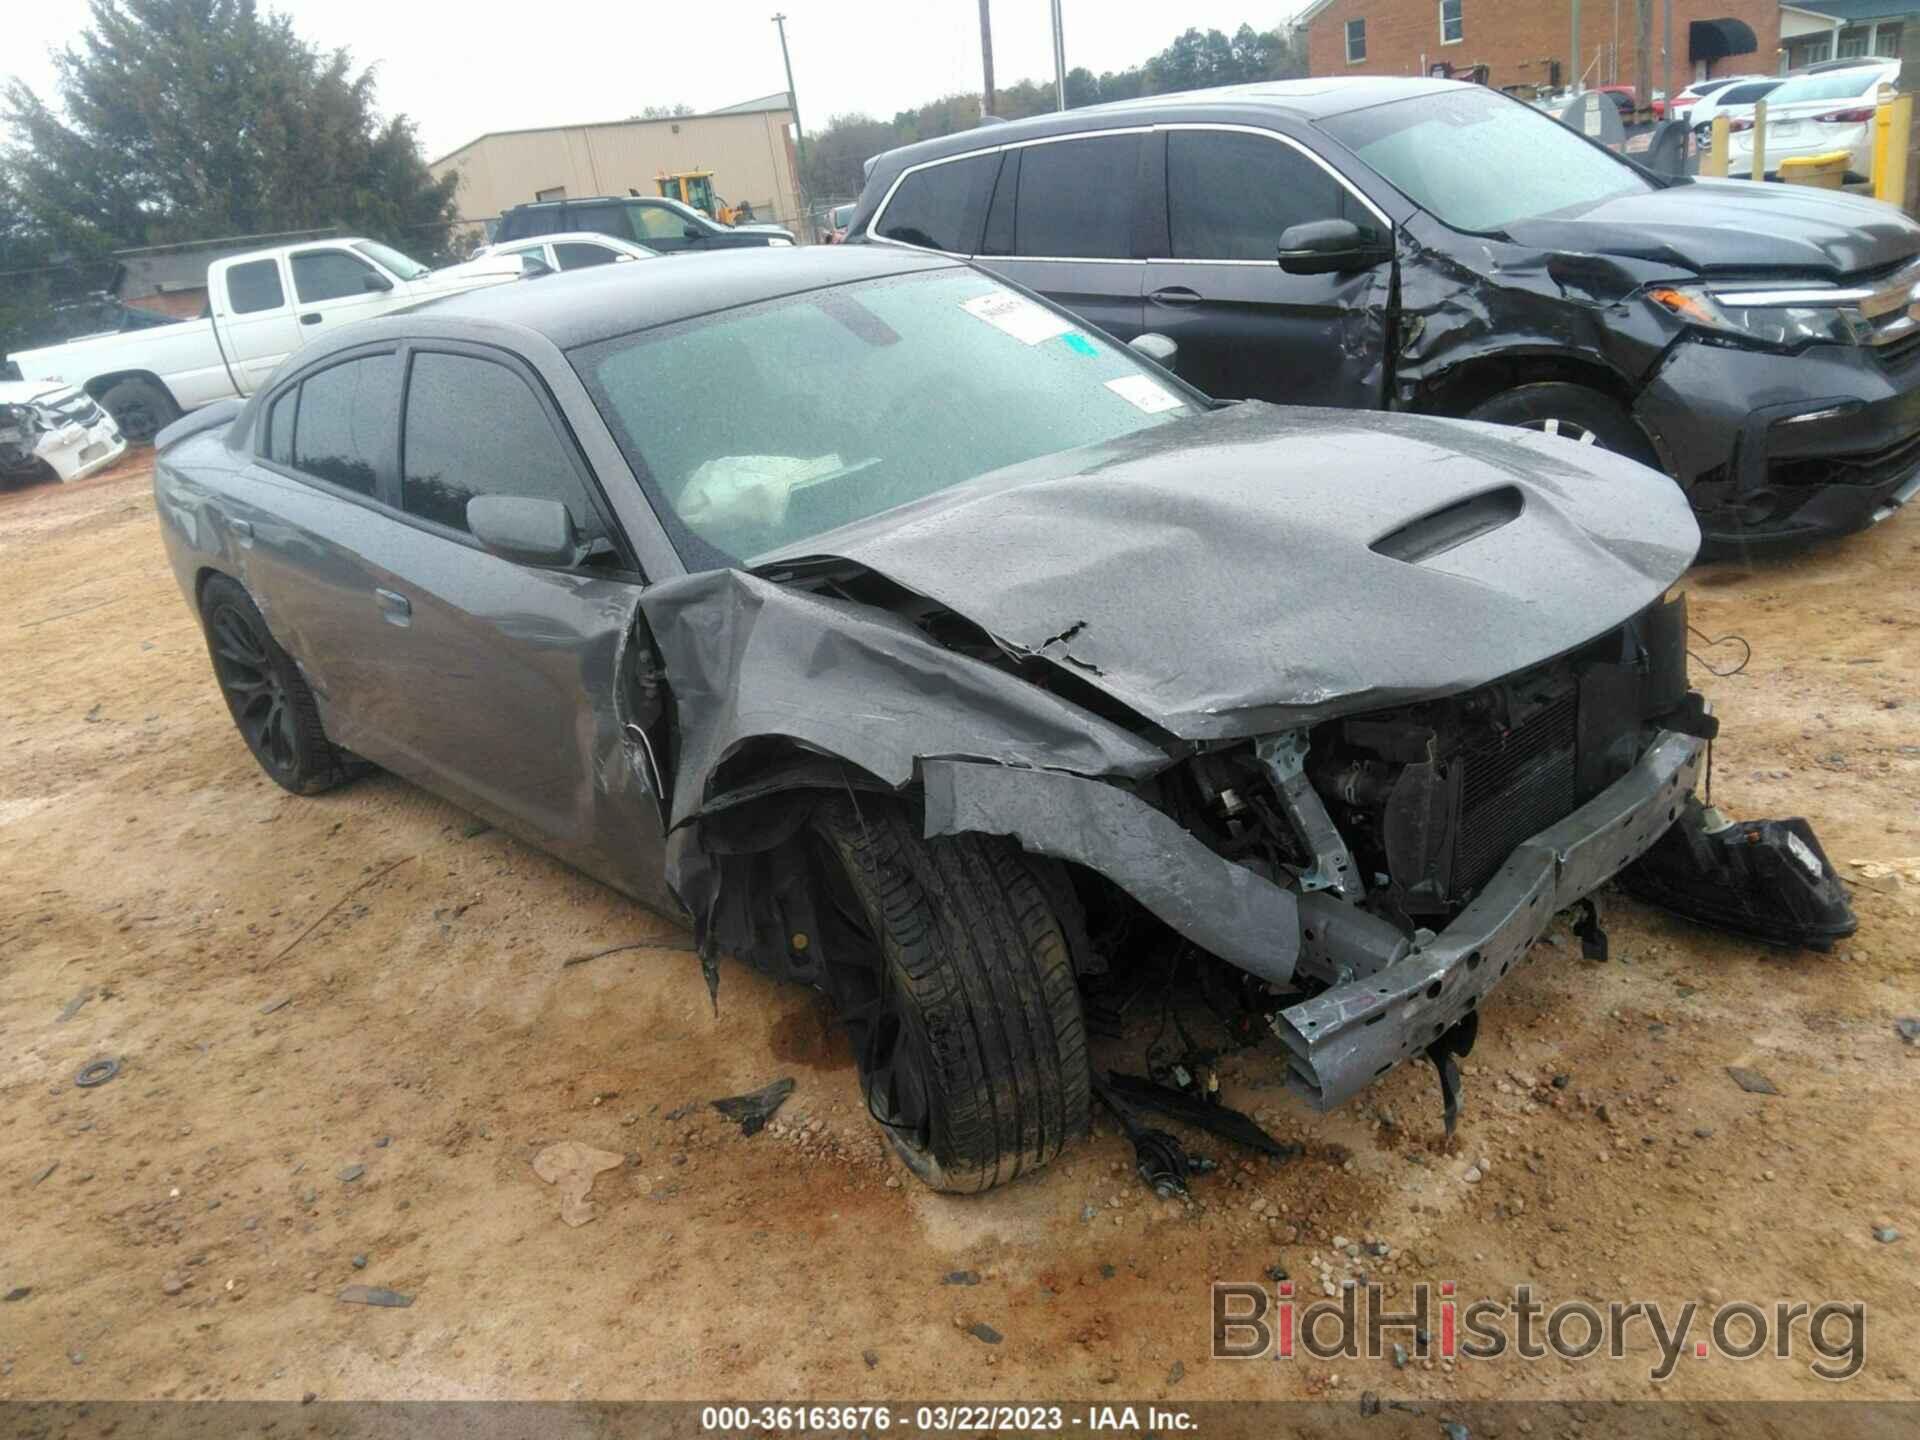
x: 747, y: 659
x: 1222, y: 907
x: 1217, y: 575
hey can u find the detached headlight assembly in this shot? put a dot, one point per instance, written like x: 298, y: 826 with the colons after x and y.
x: 1783, y: 319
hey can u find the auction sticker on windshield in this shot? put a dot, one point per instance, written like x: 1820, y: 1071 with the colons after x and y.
x: 1017, y: 316
x: 1142, y: 392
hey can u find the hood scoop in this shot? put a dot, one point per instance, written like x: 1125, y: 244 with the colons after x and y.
x: 1451, y: 526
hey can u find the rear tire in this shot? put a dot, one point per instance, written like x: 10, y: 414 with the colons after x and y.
x: 957, y: 988
x: 140, y: 408
x: 1574, y: 412
x: 269, y: 699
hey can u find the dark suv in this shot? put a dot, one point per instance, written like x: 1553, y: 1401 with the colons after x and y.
x: 659, y: 224
x: 1434, y: 246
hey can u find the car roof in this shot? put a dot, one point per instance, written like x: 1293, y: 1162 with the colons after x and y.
x: 568, y: 237
x: 580, y: 307
x: 1301, y: 100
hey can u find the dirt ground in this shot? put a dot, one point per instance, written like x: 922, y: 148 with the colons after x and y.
x: 300, y: 988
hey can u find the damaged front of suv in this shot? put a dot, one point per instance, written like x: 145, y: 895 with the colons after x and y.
x: 1354, y: 704
x: 52, y: 429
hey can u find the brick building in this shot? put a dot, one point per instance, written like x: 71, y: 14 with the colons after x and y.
x: 1528, y: 44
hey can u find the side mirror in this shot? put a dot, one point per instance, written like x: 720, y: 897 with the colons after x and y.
x: 524, y: 530
x: 375, y: 282
x: 1156, y: 347
x: 533, y: 264
x: 693, y: 232
x: 1331, y: 247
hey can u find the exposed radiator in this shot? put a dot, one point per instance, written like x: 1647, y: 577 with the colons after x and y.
x: 1514, y: 785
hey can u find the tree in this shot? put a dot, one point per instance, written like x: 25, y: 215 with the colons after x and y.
x: 191, y: 119
x: 836, y: 155
x: 664, y: 112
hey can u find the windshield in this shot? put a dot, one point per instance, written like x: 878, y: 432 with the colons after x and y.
x: 1835, y: 85
x: 1480, y: 161
x: 404, y: 266
x: 1746, y: 94
x: 759, y: 428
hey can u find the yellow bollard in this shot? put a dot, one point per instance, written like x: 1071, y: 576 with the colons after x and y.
x: 1759, y: 141
x: 1893, y: 127
x: 1714, y: 162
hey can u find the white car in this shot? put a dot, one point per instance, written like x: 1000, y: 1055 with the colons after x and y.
x: 1816, y: 114
x: 570, y: 250
x: 1684, y: 102
x: 54, y: 428
x: 1736, y: 102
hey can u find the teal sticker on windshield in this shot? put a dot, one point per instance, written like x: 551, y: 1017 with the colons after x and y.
x: 1079, y: 344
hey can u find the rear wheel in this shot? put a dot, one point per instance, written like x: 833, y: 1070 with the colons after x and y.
x: 140, y: 408
x: 272, y: 706
x: 1572, y: 412
x: 953, y: 977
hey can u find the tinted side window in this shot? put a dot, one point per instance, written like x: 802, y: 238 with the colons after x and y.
x: 522, y: 224
x: 280, y: 426
x: 255, y: 286
x: 942, y: 206
x: 657, y: 222
x: 1231, y: 196
x: 350, y: 422
x: 475, y: 428
x: 601, y: 219
x: 576, y: 255
x: 1077, y: 198
x: 330, y: 275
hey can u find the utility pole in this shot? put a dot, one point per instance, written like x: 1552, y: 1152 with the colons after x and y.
x: 1578, y: 73
x: 1643, y: 59
x: 1666, y: 54
x: 793, y: 100
x: 1059, y: 62
x: 986, y: 61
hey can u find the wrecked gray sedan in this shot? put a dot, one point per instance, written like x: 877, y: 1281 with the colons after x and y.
x: 916, y: 642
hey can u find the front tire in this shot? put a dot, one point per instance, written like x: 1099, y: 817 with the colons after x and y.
x: 271, y: 704
x: 954, y: 979
x: 1573, y: 412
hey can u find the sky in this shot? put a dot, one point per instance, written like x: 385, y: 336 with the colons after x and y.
x: 460, y: 70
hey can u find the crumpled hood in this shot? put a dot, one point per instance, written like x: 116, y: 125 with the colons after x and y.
x: 1734, y: 225
x: 1260, y: 567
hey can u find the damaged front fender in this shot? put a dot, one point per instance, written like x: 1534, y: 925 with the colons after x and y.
x: 1223, y: 907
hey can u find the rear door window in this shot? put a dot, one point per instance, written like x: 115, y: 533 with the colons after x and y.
x: 332, y: 275
x: 349, y: 430
x: 1077, y: 199
x: 255, y: 286
x: 941, y: 207
x: 476, y: 428
x: 655, y: 223
x: 609, y: 218
x: 1230, y: 196
x: 578, y: 255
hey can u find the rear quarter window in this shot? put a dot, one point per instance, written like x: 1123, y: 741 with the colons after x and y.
x: 255, y: 286
x: 941, y: 207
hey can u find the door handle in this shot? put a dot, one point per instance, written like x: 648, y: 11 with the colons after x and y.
x: 1175, y: 295
x: 395, y: 608
x: 312, y: 317
x: 242, y: 528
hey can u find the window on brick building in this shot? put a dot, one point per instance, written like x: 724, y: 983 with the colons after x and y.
x: 1453, y: 26
x: 1356, y: 41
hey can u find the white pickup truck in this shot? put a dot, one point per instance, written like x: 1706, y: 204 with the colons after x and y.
x: 261, y: 307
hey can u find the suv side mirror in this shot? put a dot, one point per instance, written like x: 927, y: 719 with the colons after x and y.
x: 1331, y: 247
x: 524, y: 530
x: 693, y: 232
x: 1161, y: 349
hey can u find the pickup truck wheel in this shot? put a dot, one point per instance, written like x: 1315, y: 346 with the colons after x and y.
x: 271, y: 705
x: 1572, y: 412
x: 953, y: 977
x: 140, y: 408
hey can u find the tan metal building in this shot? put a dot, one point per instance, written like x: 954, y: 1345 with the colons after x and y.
x: 748, y: 147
